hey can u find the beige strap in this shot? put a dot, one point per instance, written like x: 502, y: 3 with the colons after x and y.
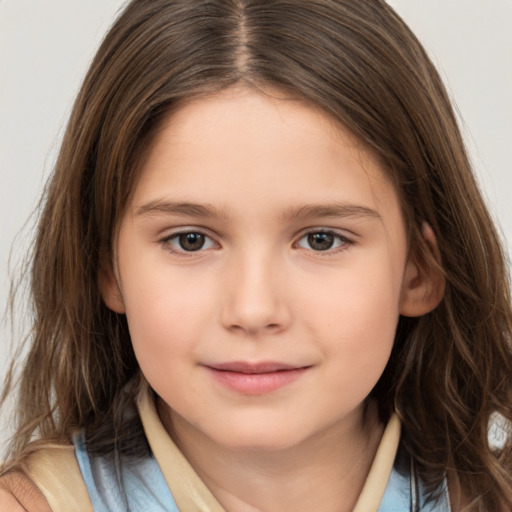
x: 54, y: 469
x: 188, y: 490
x: 380, y: 471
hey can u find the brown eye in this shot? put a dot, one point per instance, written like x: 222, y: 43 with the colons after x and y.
x: 188, y: 241
x: 320, y: 241
x: 191, y: 241
x: 323, y: 241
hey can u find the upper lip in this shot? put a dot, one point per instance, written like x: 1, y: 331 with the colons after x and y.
x: 261, y: 367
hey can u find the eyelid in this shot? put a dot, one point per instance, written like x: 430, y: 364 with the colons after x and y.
x: 172, y: 235
x: 347, y: 241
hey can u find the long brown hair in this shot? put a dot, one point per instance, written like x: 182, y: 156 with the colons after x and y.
x: 450, y: 370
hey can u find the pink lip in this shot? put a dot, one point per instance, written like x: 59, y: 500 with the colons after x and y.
x: 255, y: 378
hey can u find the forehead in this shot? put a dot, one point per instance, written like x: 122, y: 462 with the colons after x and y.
x: 242, y: 143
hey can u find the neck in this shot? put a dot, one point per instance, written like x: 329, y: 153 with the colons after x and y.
x: 328, y: 468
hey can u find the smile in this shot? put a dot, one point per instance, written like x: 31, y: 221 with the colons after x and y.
x: 255, y: 379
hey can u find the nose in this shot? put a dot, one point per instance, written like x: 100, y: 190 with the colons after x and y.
x: 255, y: 296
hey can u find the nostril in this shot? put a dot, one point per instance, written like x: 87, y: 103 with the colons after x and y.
x: 254, y: 329
x: 255, y: 311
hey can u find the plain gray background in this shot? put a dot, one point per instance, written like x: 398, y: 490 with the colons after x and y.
x: 45, y: 47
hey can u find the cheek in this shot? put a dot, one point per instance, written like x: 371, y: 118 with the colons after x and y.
x: 362, y: 298
x: 166, y: 313
x: 355, y: 322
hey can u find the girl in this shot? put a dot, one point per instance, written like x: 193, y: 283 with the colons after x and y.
x: 264, y: 277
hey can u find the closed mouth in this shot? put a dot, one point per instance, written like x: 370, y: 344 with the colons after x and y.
x: 256, y: 379
x: 255, y: 368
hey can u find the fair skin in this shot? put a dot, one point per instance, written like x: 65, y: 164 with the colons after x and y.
x: 263, y: 239
x: 19, y: 494
x: 262, y: 263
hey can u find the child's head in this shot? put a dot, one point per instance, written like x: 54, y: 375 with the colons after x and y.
x: 261, y: 236
x: 354, y: 64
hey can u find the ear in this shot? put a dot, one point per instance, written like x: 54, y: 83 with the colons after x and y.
x: 424, y: 281
x: 109, y: 286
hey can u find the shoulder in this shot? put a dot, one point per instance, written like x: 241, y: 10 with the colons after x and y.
x: 18, y: 493
x: 49, y: 472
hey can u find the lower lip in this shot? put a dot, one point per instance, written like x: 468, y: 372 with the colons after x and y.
x: 256, y: 383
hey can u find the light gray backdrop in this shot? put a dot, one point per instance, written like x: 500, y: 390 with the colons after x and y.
x: 45, y: 48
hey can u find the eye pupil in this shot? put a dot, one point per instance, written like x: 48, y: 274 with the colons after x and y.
x: 320, y: 241
x: 191, y: 241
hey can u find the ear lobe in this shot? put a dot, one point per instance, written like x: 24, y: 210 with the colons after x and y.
x: 424, y: 281
x: 109, y: 287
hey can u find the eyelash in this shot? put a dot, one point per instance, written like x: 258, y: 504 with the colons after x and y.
x: 343, y: 242
x: 167, y: 241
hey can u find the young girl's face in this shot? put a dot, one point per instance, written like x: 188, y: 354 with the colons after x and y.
x: 262, y: 266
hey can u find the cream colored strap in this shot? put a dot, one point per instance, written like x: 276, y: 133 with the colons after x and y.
x: 188, y: 490
x: 54, y: 469
x: 380, y: 471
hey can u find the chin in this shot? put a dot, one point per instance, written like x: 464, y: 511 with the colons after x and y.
x: 262, y: 437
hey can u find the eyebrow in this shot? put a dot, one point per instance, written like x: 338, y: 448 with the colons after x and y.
x: 331, y: 210
x: 335, y: 210
x: 184, y: 208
